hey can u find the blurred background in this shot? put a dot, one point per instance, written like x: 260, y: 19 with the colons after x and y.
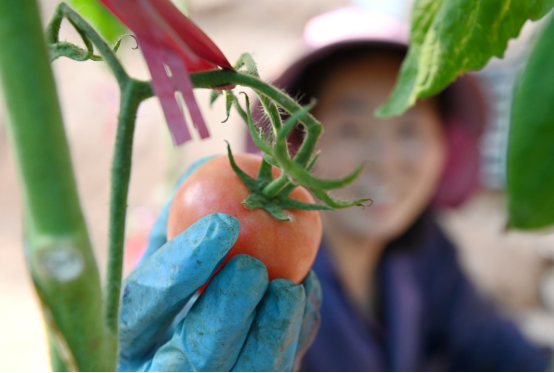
x: 512, y: 269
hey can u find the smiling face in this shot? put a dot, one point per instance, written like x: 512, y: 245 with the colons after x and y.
x: 404, y: 155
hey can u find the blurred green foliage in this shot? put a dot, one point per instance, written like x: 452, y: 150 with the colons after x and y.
x: 183, y: 6
x: 531, y: 144
x: 451, y: 37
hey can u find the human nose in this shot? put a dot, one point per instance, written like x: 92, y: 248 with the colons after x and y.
x: 384, y: 154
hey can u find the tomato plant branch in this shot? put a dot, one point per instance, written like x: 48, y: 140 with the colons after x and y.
x: 90, y: 37
x: 270, y: 108
x: 133, y: 92
x: 58, y: 249
x: 218, y: 78
x: 131, y: 97
x: 296, y: 170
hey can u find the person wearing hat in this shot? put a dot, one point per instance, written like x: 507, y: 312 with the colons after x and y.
x: 394, y: 295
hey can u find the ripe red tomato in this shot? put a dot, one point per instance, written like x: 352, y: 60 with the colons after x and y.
x: 287, y: 248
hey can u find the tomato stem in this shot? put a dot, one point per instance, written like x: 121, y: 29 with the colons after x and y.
x: 218, y: 78
x: 89, y: 35
x: 276, y: 186
x: 131, y: 97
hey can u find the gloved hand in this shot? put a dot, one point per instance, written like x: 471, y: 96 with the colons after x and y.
x: 241, y: 322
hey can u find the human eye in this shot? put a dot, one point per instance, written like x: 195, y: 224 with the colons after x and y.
x: 408, y: 130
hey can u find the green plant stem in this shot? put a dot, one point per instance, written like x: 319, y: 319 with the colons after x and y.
x: 218, y: 78
x: 57, y: 245
x: 131, y: 96
x: 298, y: 167
x: 276, y: 186
x: 103, y: 48
x: 133, y: 92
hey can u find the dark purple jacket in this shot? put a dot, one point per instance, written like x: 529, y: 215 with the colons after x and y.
x: 431, y: 317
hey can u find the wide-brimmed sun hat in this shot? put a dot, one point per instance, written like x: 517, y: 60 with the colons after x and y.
x: 463, y: 105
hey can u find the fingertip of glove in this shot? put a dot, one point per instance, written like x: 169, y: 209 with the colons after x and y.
x: 223, y: 228
x: 285, y: 288
x: 246, y: 274
x: 212, y: 235
x: 227, y: 221
x: 313, y: 288
x: 251, y: 267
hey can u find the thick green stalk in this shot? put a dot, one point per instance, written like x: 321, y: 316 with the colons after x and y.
x: 131, y: 96
x: 57, y: 245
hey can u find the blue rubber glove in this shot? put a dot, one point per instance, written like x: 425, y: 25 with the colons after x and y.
x: 241, y: 322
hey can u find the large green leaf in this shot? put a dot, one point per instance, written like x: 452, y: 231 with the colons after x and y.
x: 107, y: 25
x: 450, y: 37
x: 531, y: 144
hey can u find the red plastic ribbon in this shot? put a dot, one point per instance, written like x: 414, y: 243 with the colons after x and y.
x: 169, y: 39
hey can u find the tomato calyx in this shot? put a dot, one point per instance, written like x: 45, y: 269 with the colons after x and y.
x: 265, y: 191
x: 274, y: 205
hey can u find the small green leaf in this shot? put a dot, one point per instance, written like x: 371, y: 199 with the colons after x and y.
x: 451, y: 37
x: 280, y: 147
x: 240, y: 110
x: 256, y: 201
x: 334, y: 183
x: 530, y: 177
x: 69, y: 50
x: 247, y: 61
x: 253, y: 131
x: 118, y: 42
x: 277, y: 212
x: 303, y: 177
x: 336, y: 203
x: 214, y: 95
x: 313, y: 161
x: 107, y: 25
x: 272, y: 112
x: 264, y: 174
x: 229, y: 99
x: 245, y: 178
x: 289, y: 188
x: 270, y: 159
x: 292, y: 204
